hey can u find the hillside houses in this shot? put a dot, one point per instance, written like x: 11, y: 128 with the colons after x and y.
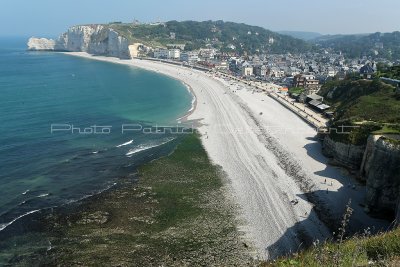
x: 308, y: 70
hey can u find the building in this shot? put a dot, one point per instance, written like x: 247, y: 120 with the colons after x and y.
x: 136, y: 49
x: 316, y: 102
x: 161, y: 53
x: 276, y: 72
x: 207, y: 53
x: 189, y: 57
x: 221, y: 65
x: 306, y: 81
x: 174, y: 53
x: 367, y: 71
x: 260, y: 70
x: 246, y: 69
x: 331, y: 72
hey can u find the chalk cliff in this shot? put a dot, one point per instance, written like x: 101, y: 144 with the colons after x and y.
x: 377, y: 164
x: 42, y: 44
x: 347, y: 155
x: 381, y: 169
x: 93, y: 39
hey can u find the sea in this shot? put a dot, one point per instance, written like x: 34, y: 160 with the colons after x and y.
x: 70, y: 127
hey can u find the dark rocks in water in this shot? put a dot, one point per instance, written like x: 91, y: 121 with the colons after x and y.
x: 97, y: 217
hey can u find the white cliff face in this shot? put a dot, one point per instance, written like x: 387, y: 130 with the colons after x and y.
x: 41, y: 44
x: 93, y: 39
x: 77, y: 38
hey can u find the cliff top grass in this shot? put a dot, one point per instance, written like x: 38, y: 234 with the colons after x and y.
x: 296, y: 90
x: 363, y: 100
x: 364, y: 250
x: 370, y: 105
x: 217, y: 34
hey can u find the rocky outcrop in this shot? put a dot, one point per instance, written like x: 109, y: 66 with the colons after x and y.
x: 93, y: 39
x: 347, y: 155
x: 381, y: 169
x: 41, y: 44
x: 377, y: 164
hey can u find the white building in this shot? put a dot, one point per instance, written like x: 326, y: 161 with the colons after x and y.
x: 190, y: 57
x: 161, y: 53
x: 331, y: 72
x: 174, y: 53
x: 207, y: 53
x: 247, y: 69
x: 276, y: 72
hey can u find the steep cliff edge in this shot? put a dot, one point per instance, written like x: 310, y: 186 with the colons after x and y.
x: 381, y: 169
x: 378, y: 165
x: 93, y: 39
x: 41, y: 44
x: 347, y: 155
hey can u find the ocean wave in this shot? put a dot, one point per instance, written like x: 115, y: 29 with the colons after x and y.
x: 43, y: 195
x: 125, y: 144
x: 5, y: 225
x: 192, y: 107
x: 70, y: 201
x: 146, y: 147
x: 24, y: 193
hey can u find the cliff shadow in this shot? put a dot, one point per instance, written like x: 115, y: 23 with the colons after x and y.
x: 322, y: 223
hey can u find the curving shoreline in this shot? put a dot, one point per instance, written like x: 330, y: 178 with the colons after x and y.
x: 270, y: 159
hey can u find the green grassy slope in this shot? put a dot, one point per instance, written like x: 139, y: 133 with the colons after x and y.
x: 218, y: 34
x: 379, y: 250
x: 372, y: 106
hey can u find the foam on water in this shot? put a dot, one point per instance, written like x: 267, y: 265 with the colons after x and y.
x: 147, y: 147
x: 5, y: 225
x: 125, y: 144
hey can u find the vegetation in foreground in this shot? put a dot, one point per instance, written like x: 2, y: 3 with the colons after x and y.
x: 365, y: 250
x: 176, y: 214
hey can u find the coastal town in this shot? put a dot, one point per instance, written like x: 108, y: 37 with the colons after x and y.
x: 293, y: 80
x: 289, y: 147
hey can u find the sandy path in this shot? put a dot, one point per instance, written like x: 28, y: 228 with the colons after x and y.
x: 262, y: 158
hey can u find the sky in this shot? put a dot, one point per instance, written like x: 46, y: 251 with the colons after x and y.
x: 49, y: 18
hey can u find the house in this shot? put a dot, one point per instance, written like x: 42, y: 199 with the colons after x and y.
x: 293, y: 71
x: 221, y: 65
x: 331, y: 72
x: 234, y: 64
x: 136, y: 49
x: 174, y: 53
x: 283, y: 90
x: 367, y: 71
x: 161, y: 53
x: 189, y: 57
x: 246, y: 69
x: 276, y: 72
x: 317, y: 105
x: 306, y: 81
x: 207, y: 53
x: 314, y: 97
x: 260, y: 70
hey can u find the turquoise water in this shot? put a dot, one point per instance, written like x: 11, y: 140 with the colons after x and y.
x: 40, y: 168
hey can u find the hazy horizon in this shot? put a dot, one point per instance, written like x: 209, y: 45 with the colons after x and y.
x: 49, y: 19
